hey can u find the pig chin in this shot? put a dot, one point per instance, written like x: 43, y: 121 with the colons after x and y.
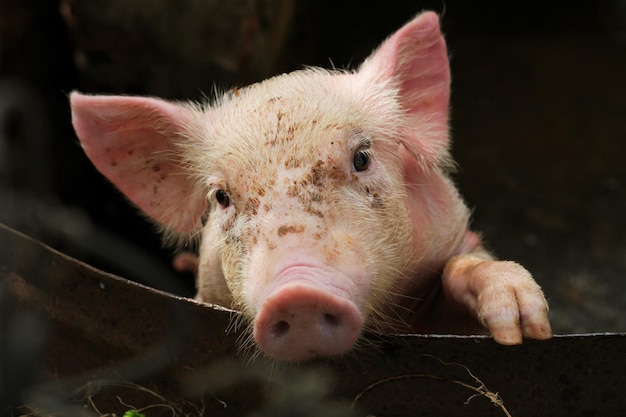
x: 308, y: 310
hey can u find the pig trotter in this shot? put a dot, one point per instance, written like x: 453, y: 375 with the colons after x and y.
x: 502, y: 295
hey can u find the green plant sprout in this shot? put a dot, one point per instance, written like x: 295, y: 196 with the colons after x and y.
x: 133, y: 413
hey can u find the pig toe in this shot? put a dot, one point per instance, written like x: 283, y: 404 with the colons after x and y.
x: 507, y: 335
x: 510, y: 322
x: 537, y: 329
x: 533, y: 311
x: 534, y: 319
x: 500, y: 315
x: 511, y: 305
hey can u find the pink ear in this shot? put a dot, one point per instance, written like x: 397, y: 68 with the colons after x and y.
x: 131, y: 140
x: 415, y: 59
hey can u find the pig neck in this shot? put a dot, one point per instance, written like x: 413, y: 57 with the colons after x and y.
x: 423, y: 306
x: 439, y: 218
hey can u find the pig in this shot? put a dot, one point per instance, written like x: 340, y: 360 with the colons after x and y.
x: 321, y: 201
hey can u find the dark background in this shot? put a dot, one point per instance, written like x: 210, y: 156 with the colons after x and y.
x: 538, y: 120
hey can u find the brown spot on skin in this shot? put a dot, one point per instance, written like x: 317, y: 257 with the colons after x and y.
x: 236, y: 92
x: 317, y: 236
x: 156, y: 167
x: 270, y: 245
x: 228, y: 224
x: 293, y: 191
x: 250, y: 237
x: 337, y: 173
x: 377, y: 201
x: 131, y: 152
x: 317, y: 173
x: 330, y: 254
x: 314, y: 212
x: 292, y: 163
x: 291, y: 130
x: 321, y: 171
x: 113, y: 163
x: 253, y: 205
x: 283, y: 230
x: 236, y: 243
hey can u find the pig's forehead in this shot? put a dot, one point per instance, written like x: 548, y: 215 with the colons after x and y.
x: 306, y: 103
x: 296, y: 98
x: 293, y: 119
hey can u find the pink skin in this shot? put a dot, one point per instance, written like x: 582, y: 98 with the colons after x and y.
x: 311, y: 249
x: 300, y: 310
x: 307, y: 308
x: 185, y: 262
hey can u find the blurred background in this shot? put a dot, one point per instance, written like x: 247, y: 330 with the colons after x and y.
x: 538, y: 120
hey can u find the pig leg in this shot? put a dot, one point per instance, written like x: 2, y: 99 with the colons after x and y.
x: 502, y: 295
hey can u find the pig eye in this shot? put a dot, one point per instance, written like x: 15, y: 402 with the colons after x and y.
x: 361, y: 160
x: 222, y: 198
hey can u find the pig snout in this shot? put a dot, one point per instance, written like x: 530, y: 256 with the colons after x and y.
x: 298, y: 321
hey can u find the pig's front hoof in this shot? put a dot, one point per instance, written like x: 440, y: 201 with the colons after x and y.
x: 509, y: 303
x: 298, y: 322
x: 502, y: 295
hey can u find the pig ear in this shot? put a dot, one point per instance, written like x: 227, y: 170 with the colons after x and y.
x: 133, y: 142
x: 415, y: 60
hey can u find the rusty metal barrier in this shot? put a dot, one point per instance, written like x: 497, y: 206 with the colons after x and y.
x: 75, y: 341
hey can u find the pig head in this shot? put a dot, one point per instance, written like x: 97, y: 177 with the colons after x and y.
x: 321, y: 200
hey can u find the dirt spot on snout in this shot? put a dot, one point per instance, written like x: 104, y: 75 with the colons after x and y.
x: 284, y: 229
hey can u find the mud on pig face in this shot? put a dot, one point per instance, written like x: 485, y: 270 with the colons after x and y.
x: 307, y: 212
x: 313, y: 192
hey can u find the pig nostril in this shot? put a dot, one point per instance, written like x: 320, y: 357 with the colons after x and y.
x: 331, y: 319
x: 280, y: 328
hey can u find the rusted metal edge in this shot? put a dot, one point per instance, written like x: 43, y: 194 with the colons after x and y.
x: 99, y: 323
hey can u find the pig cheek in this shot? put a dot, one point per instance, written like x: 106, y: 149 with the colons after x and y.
x: 242, y: 243
x: 211, y: 285
x: 233, y: 258
x: 389, y: 236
